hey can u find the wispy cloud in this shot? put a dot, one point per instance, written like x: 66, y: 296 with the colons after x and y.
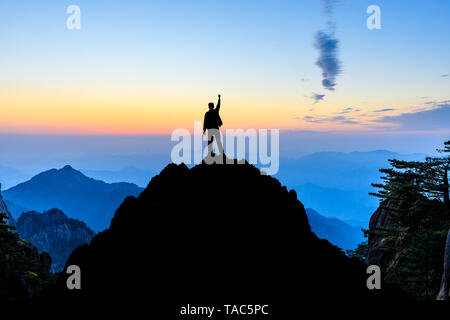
x: 437, y: 103
x: 335, y: 119
x: 328, y: 6
x: 444, y: 75
x: 349, y: 110
x: 432, y: 116
x: 328, y: 62
x: 431, y: 119
x: 327, y: 44
x: 384, y: 110
x: 350, y: 122
x: 317, y: 97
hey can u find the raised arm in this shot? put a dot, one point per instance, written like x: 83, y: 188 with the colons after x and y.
x: 204, y: 124
x: 218, y: 104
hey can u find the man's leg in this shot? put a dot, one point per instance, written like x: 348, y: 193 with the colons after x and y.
x: 219, y: 142
x: 210, y: 142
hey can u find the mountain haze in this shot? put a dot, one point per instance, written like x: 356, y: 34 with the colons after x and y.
x: 80, y: 197
x: 337, y: 184
x: 334, y: 230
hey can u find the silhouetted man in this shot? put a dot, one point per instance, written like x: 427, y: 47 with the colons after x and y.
x: 212, y: 122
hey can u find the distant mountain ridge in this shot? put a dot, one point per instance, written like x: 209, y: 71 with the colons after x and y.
x: 338, y: 169
x: 320, y: 177
x: 92, y: 201
x: 334, y: 230
x: 349, y: 206
x: 55, y: 233
x: 129, y: 174
x: 337, y: 183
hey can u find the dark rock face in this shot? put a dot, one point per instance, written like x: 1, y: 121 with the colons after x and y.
x: 54, y: 232
x: 213, y: 234
x: 380, y: 219
x: 444, y: 292
x: 45, y: 260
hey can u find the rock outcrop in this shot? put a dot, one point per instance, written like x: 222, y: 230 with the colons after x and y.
x: 4, y: 209
x: 381, y: 218
x: 213, y: 234
x: 398, y: 250
x: 54, y: 232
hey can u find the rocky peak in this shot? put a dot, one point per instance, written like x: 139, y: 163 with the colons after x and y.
x: 213, y: 233
x: 54, y: 232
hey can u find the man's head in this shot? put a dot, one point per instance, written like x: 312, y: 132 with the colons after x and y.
x: 211, y: 105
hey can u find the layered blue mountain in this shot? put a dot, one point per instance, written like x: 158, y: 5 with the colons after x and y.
x: 337, y: 184
x: 15, y: 209
x: 128, y: 174
x: 334, y: 230
x: 333, y: 183
x: 353, y: 207
x: 78, y: 196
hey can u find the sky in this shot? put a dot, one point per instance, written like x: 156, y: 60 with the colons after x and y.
x: 139, y: 68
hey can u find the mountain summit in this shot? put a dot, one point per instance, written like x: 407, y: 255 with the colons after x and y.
x: 213, y: 234
x: 92, y: 201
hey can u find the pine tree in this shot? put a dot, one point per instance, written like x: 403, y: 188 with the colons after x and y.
x: 360, y: 252
x: 421, y: 220
x: 14, y: 264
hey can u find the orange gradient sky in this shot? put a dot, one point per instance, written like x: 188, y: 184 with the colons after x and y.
x: 144, y: 68
x: 132, y: 111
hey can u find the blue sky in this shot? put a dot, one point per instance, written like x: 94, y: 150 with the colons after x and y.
x: 147, y: 67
